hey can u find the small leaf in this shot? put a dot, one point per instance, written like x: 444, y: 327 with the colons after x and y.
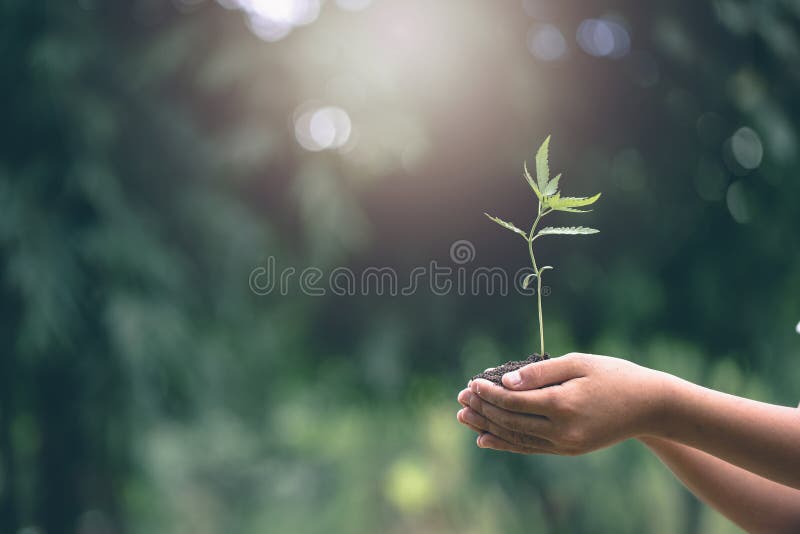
x: 531, y: 182
x: 552, y: 187
x: 566, y: 230
x: 546, y: 267
x: 508, y: 226
x: 526, y: 282
x: 542, y: 165
x: 556, y: 202
x: 572, y: 202
x: 572, y: 210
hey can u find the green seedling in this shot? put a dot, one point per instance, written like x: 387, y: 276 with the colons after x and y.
x: 550, y: 200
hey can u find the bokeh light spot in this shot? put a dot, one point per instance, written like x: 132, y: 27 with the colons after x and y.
x: 273, y: 20
x: 747, y: 148
x: 322, y: 128
x: 603, y: 38
x: 409, y: 485
x: 546, y: 42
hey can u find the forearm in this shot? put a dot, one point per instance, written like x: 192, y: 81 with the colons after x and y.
x: 758, y: 437
x: 752, y: 502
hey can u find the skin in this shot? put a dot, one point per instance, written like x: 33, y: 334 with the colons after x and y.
x: 739, y: 456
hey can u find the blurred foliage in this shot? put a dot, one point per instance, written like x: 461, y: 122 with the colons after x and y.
x: 148, y: 163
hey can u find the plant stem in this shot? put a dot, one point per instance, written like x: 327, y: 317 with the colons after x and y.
x: 538, y: 277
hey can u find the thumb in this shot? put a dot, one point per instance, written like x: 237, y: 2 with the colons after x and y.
x: 545, y: 373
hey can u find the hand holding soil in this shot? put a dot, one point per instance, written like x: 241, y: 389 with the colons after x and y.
x: 738, y: 455
x: 569, y: 405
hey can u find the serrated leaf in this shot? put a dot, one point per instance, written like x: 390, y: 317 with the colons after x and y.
x: 508, y: 226
x: 572, y: 210
x: 526, y: 282
x: 552, y: 187
x: 566, y: 230
x: 572, y: 202
x: 542, y: 165
x: 531, y: 181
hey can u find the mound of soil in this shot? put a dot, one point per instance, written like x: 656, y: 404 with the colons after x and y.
x: 495, y: 374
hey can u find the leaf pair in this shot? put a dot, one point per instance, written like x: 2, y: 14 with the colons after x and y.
x: 550, y: 198
x: 546, y: 190
x: 543, y: 186
x: 550, y: 230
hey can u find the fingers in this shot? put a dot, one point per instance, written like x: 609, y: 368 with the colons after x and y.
x: 461, y: 419
x: 475, y: 419
x: 546, y: 373
x: 489, y: 441
x: 463, y: 397
x: 534, y: 425
x: 471, y: 417
x: 536, y: 401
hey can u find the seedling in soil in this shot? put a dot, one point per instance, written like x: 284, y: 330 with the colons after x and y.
x: 549, y: 200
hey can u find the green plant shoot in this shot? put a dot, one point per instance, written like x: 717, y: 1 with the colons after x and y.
x: 549, y: 200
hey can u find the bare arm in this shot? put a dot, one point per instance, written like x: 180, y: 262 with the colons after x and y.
x: 754, y: 503
x: 740, y: 456
x: 596, y: 401
x: 759, y: 437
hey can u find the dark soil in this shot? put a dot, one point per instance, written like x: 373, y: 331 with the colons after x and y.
x: 495, y: 374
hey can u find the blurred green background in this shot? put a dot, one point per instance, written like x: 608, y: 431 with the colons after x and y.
x: 154, y: 153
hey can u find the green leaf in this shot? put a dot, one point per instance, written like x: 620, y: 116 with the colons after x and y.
x: 572, y: 202
x: 508, y: 226
x: 545, y: 268
x: 572, y: 210
x: 549, y: 200
x: 556, y: 202
x: 526, y: 282
x: 531, y: 182
x: 566, y: 230
x: 552, y: 187
x: 542, y: 165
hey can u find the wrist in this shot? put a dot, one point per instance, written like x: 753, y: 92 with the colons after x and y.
x: 662, y: 402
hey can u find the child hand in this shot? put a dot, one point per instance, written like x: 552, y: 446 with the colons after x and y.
x: 569, y: 405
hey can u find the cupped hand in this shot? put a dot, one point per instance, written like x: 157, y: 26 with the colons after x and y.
x: 569, y: 405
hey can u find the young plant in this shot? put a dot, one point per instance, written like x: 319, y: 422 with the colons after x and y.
x: 550, y: 200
